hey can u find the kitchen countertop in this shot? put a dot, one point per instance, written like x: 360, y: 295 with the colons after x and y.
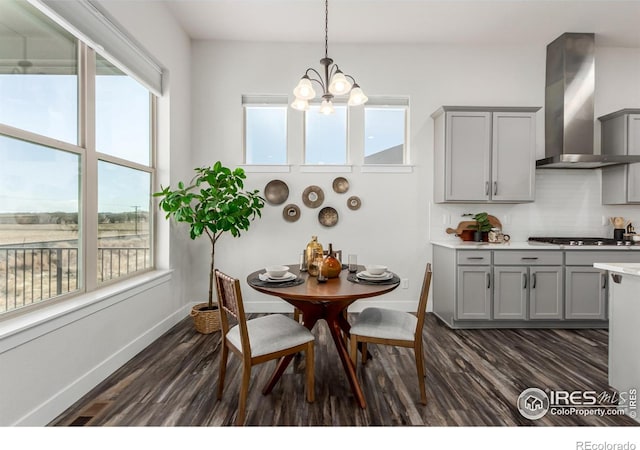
x: 626, y: 268
x: 526, y: 245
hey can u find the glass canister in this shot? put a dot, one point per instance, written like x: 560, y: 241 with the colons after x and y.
x: 314, y: 251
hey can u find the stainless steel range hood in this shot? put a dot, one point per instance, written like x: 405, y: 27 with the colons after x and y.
x: 569, y: 113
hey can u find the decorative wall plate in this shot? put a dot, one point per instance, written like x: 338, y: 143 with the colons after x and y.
x: 340, y: 185
x: 276, y: 192
x: 328, y: 216
x: 291, y: 212
x: 354, y: 202
x: 313, y: 196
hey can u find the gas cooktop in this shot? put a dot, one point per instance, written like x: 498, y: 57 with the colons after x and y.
x: 578, y: 241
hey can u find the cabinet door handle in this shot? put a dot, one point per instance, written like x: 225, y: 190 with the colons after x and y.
x: 495, y: 188
x: 533, y: 281
x: 524, y: 278
x: 488, y: 280
x: 486, y: 188
x: 604, y: 281
x: 616, y: 277
x: 530, y: 257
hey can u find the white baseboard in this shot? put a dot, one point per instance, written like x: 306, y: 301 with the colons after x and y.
x: 63, y: 399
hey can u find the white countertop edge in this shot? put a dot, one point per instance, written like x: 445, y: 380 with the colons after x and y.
x: 525, y: 245
x: 626, y: 268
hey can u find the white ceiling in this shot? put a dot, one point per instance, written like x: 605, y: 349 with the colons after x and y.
x: 517, y: 22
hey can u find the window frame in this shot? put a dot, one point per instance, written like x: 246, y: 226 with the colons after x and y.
x: 87, y: 275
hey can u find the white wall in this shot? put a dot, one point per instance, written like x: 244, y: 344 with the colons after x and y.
x: 46, y: 367
x: 398, y: 218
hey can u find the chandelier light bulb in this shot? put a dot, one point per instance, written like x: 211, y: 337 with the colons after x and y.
x: 326, y: 107
x: 339, y: 84
x: 304, y: 90
x: 300, y: 104
x: 357, y: 97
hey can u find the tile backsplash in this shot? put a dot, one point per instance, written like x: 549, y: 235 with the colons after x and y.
x: 568, y: 203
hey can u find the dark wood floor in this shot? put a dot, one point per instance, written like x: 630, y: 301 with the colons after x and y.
x: 473, y: 379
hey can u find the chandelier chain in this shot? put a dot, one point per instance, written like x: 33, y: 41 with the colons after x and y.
x: 326, y: 28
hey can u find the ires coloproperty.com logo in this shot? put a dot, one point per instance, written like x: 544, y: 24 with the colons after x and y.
x: 534, y: 403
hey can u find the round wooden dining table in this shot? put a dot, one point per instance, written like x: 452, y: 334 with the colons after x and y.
x: 328, y: 300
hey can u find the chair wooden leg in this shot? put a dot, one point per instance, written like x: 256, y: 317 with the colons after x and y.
x: 296, y: 315
x: 354, y: 349
x: 310, y: 364
x: 223, y: 369
x: 244, y: 391
x: 363, y: 350
x: 420, y: 367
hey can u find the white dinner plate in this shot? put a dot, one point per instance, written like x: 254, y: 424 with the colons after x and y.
x: 364, y: 275
x: 286, y: 277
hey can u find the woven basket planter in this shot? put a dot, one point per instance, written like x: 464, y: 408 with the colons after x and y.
x: 208, y: 321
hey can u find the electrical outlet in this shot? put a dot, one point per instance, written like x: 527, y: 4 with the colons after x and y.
x: 507, y: 219
x: 605, y: 221
x: 404, y: 283
x: 445, y: 219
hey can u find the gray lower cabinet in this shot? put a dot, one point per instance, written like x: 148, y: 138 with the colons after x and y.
x: 586, y: 293
x: 473, y: 292
x: 527, y: 293
x: 510, y: 293
x: 546, y: 293
x: 477, y: 288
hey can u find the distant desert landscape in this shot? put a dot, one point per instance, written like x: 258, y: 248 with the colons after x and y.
x: 39, y: 261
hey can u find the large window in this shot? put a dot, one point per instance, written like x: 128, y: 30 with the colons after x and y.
x: 325, y: 136
x: 59, y: 175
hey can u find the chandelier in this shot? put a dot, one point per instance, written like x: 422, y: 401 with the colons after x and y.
x: 332, y: 81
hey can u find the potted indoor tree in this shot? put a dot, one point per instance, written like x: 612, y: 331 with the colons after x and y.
x: 213, y: 203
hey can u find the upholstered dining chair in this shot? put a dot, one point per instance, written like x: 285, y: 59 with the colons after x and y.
x: 258, y: 340
x: 397, y: 328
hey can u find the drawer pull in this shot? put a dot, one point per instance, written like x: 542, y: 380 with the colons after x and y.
x: 531, y: 258
x: 475, y: 257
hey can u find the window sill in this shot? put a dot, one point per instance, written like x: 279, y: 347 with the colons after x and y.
x: 325, y: 168
x: 386, y: 168
x: 19, y: 329
x: 266, y: 168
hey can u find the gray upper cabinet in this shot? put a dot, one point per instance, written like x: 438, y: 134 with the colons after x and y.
x: 484, y: 154
x: 620, y: 135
